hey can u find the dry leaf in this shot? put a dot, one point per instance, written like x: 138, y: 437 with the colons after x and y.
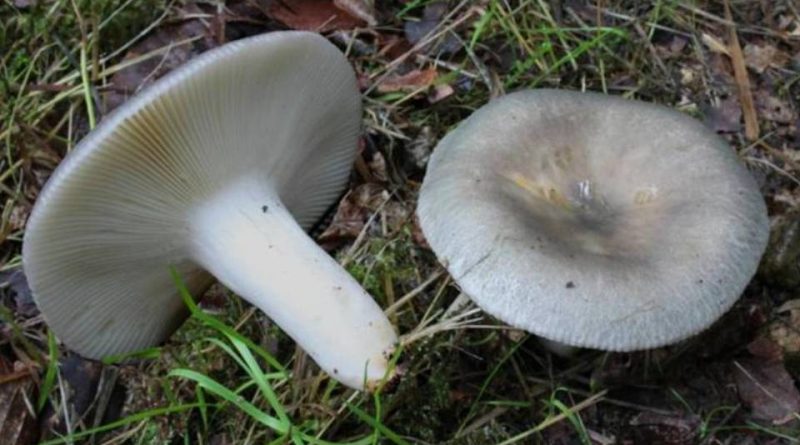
x: 780, y: 265
x: 19, y: 216
x: 353, y: 212
x: 677, y: 429
x: 761, y: 57
x: 774, y: 109
x: 15, y: 280
x: 418, y: 150
x: 714, y: 44
x: 396, y: 215
x: 672, y: 46
x: 787, y: 197
x: 133, y: 78
x: 393, y: 46
x: 362, y: 9
x: 726, y: 117
x: 17, y: 422
x: 440, y: 92
x: 312, y: 15
x: 416, y: 31
x: 83, y: 376
x: 377, y: 167
x: 767, y: 389
x: 411, y: 81
x: 786, y: 331
x: 765, y: 348
x: 688, y: 75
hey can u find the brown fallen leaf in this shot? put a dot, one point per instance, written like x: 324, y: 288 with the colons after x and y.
x: 410, y: 81
x: 15, y: 281
x: 17, y: 422
x: 765, y: 348
x: 362, y: 9
x: 785, y: 332
x: 714, y: 44
x: 377, y: 167
x: 19, y: 216
x: 725, y: 117
x: 82, y: 376
x: 761, y: 57
x: 392, y: 45
x: 312, y: 15
x: 353, y: 212
x: 677, y: 429
x: 432, y: 16
x: 418, y: 150
x: 440, y: 93
x: 133, y: 78
x: 768, y: 389
x: 773, y: 108
x: 673, y: 46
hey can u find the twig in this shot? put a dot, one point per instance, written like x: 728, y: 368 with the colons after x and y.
x: 413, y: 293
x: 742, y: 80
x: 430, y: 37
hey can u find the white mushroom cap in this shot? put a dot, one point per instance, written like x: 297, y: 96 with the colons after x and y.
x: 216, y: 169
x: 593, y: 220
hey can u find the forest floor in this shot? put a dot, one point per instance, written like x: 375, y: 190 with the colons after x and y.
x: 423, y: 66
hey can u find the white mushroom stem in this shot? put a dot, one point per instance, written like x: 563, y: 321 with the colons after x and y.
x: 248, y: 240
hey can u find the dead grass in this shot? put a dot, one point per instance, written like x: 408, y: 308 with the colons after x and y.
x: 466, y: 378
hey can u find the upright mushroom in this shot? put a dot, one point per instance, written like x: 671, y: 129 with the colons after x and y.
x: 591, y: 220
x: 216, y: 169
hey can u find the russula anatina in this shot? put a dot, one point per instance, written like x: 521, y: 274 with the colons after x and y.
x: 591, y: 220
x: 216, y: 169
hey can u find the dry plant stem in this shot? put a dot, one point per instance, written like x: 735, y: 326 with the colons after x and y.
x: 413, y: 293
x: 556, y: 419
x: 742, y: 80
x: 430, y: 37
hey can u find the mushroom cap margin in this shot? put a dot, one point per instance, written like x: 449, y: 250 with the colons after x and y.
x: 637, y: 276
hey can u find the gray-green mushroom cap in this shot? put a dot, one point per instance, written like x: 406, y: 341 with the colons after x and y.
x: 592, y: 220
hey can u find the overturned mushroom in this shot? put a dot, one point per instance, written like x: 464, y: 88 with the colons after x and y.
x: 216, y: 169
x: 592, y: 220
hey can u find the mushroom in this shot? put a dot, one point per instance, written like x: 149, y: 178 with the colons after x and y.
x: 591, y: 220
x: 216, y: 169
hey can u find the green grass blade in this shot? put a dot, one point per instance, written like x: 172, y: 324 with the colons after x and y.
x: 201, y: 400
x: 222, y: 345
x: 216, y: 388
x: 50, y: 375
x: 573, y: 418
x: 147, y: 353
x: 218, y: 325
x: 376, y: 424
x: 255, y: 372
